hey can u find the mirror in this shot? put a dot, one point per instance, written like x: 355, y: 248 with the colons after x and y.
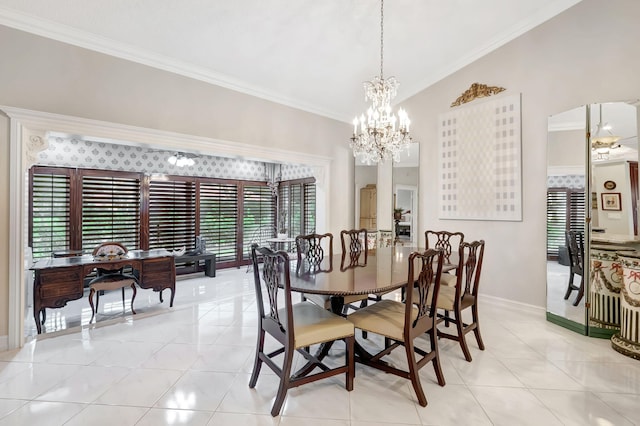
x: 405, y: 196
x: 366, y: 179
x: 592, y: 180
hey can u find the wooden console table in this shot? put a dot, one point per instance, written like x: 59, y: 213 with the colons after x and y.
x: 61, y: 280
x: 209, y: 262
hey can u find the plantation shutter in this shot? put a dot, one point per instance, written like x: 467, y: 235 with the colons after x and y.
x: 295, y: 209
x: 110, y: 210
x: 172, y: 214
x: 219, y: 219
x: 50, y: 214
x: 565, y: 211
x: 309, y: 208
x: 259, y: 207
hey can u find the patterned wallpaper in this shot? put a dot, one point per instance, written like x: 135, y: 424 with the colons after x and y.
x: 565, y: 181
x: 74, y: 152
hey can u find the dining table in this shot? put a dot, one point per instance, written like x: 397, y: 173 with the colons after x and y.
x: 385, y: 270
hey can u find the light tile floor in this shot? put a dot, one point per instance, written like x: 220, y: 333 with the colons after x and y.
x: 191, y: 365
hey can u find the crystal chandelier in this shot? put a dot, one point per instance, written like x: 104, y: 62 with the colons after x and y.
x: 181, y: 160
x: 382, y: 135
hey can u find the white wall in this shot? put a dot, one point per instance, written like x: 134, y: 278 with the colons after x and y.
x: 45, y: 75
x: 614, y: 222
x: 564, y: 63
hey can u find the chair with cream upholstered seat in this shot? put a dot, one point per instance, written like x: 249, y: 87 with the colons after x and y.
x: 402, y: 323
x: 110, y: 278
x: 295, y: 326
x: 449, y: 242
x: 464, y: 295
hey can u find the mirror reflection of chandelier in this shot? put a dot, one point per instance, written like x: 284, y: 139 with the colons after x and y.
x: 603, y: 140
x: 382, y: 135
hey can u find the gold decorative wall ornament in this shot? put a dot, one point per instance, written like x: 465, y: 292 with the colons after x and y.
x: 476, y: 90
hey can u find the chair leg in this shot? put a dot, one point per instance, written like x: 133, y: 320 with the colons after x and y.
x: 437, y: 367
x: 350, y: 361
x: 461, y: 338
x: 476, y: 331
x: 284, y: 382
x: 580, y: 292
x: 414, y: 373
x: 257, y: 363
x: 123, y: 304
x: 570, y: 287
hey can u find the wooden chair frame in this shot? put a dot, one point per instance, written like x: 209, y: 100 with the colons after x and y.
x: 575, y: 248
x: 110, y: 279
x: 465, y: 296
x: 275, y: 269
x: 419, y: 318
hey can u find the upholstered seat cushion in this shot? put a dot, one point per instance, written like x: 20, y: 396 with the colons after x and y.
x: 325, y: 300
x: 313, y: 324
x: 385, y: 318
x: 447, y: 296
x: 448, y: 280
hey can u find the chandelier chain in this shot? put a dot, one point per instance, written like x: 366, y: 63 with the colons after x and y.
x: 380, y: 134
x: 381, y: 38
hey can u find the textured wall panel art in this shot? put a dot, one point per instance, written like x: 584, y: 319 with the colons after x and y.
x: 480, y: 170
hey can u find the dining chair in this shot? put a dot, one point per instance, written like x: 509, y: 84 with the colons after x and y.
x: 354, y: 254
x: 464, y: 295
x: 449, y: 242
x: 110, y: 278
x: 312, y: 260
x: 402, y: 323
x: 260, y: 236
x: 295, y: 326
x: 354, y: 247
x: 575, y: 247
x: 310, y: 251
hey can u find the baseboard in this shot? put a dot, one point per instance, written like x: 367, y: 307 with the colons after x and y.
x: 4, y: 343
x: 512, y: 303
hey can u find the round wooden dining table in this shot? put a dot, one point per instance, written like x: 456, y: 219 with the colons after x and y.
x: 385, y: 269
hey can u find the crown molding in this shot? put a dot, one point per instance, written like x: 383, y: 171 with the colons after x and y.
x: 569, y: 125
x: 107, y: 132
x: 83, y: 39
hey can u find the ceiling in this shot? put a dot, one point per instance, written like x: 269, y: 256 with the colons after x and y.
x: 310, y: 54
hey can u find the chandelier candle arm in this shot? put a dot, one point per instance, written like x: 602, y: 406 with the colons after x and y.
x: 381, y: 134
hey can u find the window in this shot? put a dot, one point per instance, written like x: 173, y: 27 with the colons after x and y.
x: 298, y: 201
x: 80, y: 208
x: 110, y: 209
x: 565, y: 211
x: 50, y: 211
x: 172, y: 213
x: 259, y: 210
x: 219, y: 219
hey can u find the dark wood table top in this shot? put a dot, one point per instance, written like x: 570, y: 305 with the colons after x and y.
x: 61, y: 262
x: 386, y: 269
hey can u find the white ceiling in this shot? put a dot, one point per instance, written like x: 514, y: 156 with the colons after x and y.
x: 309, y: 54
